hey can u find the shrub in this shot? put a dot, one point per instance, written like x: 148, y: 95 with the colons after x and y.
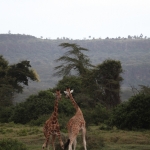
x: 40, y: 121
x: 97, y: 115
x: 33, y: 107
x: 133, y: 114
x: 5, y: 114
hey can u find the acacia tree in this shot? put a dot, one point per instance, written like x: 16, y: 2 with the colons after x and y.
x: 72, y: 60
x: 13, y: 78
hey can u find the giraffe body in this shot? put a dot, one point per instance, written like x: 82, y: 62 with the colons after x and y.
x: 75, y: 124
x: 51, y: 126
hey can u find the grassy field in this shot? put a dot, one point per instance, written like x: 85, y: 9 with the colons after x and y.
x: 97, y: 139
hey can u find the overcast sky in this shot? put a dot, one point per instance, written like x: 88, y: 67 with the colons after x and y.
x: 75, y: 19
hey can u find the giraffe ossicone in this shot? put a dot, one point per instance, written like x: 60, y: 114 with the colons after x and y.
x: 67, y: 93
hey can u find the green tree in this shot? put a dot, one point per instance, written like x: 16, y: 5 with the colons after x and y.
x: 145, y: 89
x: 6, y: 89
x: 13, y: 78
x: 132, y: 114
x: 73, y: 61
x: 21, y: 72
x: 73, y: 82
x: 108, y: 79
x: 33, y: 107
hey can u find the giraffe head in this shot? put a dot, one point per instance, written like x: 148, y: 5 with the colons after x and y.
x: 68, y: 92
x: 57, y: 94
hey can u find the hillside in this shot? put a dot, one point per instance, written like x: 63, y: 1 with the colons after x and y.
x: 134, y: 55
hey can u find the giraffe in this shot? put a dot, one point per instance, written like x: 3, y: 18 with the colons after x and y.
x: 51, y: 126
x: 75, y: 124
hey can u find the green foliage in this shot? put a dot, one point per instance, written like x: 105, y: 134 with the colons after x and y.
x: 33, y: 107
x: 74, y: 60
x: 103, y: 83
x: 89, y: 83
x: 12, y: 79
x: 100, y: 114
x: 96, y: 115
x: 73, y: 82
x: 38, y: 108
x: 40, y: 121
x: 11, y: 144
x: 21, y: 72
x: 133, y: 114
x: 145, y: 89
x: 84, y: 100
x: 6, y: 88
x: 5, y: 114
x: 108, y: 78
x: 65, y: 107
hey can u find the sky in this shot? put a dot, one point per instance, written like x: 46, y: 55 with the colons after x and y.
x: 75, y: 19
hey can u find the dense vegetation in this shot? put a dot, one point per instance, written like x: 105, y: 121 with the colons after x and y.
x: 133, y: 114
x: 97, y: 101
x: 13, y: 78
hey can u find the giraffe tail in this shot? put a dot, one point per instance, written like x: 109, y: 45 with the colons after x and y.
x: 66, y: 144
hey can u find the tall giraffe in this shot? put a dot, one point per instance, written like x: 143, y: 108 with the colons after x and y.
x: 75, y: 124
x: 51, y: 126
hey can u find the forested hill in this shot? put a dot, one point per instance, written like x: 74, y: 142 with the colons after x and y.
x: 134, y: 55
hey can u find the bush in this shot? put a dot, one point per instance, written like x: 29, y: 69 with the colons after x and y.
x: 40, y: 121
x: 97, y: 115
x: 133, y: 114
x: 11, y: 144
x: 5, y: 114
x: 33, y: 107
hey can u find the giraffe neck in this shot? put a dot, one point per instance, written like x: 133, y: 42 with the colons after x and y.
x: 55, y: 113
x: 73, y: 102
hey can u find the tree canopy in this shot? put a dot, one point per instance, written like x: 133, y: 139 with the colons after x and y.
x: 73, y: 61
x: 13, y: 78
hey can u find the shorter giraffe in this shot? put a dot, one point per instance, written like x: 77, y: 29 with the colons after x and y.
x: 75, y: 124
x: 51, y: 126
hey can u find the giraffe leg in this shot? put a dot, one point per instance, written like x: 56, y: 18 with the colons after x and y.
x: 53, y: 141
x: 46, y: 143
x: 60, y: 141
x: 73, y: 141
x: 74, y: 144
x: 70, y: 145
x: 84, y: 139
